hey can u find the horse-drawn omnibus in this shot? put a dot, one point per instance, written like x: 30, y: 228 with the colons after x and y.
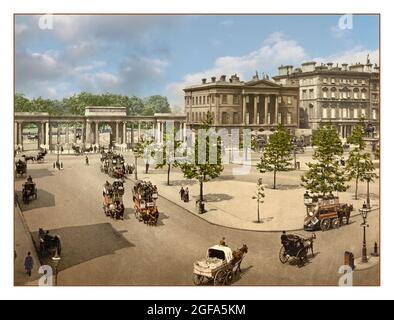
x: 21, y: 168
x: 325, y: 214
x: 113, y: 201
x: 144, y: 197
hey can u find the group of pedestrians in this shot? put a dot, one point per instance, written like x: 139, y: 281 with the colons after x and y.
x: 184, y: 193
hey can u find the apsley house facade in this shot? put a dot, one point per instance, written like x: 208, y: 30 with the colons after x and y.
x: 258, y: 104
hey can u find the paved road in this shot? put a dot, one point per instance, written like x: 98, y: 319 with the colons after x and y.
x: 100, y: 251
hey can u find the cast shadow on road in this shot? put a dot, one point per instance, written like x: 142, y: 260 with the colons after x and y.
x: 295, y: 262
x: 284, y: 187
x: 45, y: 199
x: 181, y: 183
x: 215, y: 197
x: 36, y: 173
x: 84, y: 243
x: 162, y: 217
x: 239, y: 275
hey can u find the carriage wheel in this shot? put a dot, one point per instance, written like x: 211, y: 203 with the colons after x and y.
x: 198, y: 280
x: 283, y: 257
x: 229, y: 277
x: 325, y: 225
x: 336, y: 223
x: 220, y: 278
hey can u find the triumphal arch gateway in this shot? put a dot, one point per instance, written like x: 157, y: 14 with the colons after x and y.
x: 74, y: 129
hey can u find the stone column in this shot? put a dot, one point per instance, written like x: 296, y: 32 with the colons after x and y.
x: 243, y: 109
x: 20, y: 137
x: 256, y: 101
x: 50, y: 136
x: 266, y: 110
x: 139, y: 131
x: 42, y: 134
x: 276, y: 110
x: 16, y: 133
x: 117, y: 132
x: 75, y: 133
x: 88, y: 132
x: 124, y: 133
x: 97, y: 134
x: 67, y: 137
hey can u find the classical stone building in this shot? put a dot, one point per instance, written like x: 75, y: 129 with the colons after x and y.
x: 336, y: 94
x: 259, y: 104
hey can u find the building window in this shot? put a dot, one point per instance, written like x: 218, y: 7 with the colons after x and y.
x: 279, y: 118
x: 355, y: 113
x: 304, y: 96
x: 325, y: 116
x: 224, y: 117
x: 224, y: 98
x: 203, y: 100
x: 311, y: 94
x: 363, y: 112
x: 344, y: 113
x: 289, y: 120
x: 325, y: 93
x: 363, y: 95
x: 289, y: 100
x: 333, y: 113
x: 236, y: 99
x: 325, y: 80
x: 235, y: 118
x: 374, y: 114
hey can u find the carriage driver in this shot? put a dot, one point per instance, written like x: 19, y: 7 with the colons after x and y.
x: 30, y: 180
x: 105, y: 187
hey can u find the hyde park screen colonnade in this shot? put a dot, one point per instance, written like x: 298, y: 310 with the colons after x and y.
x: 86, y: 128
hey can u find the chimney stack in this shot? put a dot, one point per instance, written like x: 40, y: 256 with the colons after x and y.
x: 213, y: 79
x: 204, y: 81
x: 223, y: 78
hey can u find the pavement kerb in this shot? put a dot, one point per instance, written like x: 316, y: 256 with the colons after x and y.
x: 235, y: 228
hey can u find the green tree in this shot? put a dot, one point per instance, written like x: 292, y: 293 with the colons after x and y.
x: 358, y: 134
x: 359, y: 166
x: 156, y: 104
x: 166, y: 153
x: 277, y: 154
x: 22, y: 104
x: 204, y: 170
x: 324, y: 175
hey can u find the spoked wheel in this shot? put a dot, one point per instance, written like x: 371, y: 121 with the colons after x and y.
x: 198, y: 280
x: 325, y: 225
x: 220, y: 278
x: 336, y: 223
x: 283, y: 257
x: 229, y: 277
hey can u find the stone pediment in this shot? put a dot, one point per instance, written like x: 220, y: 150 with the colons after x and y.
x: 262, y: 84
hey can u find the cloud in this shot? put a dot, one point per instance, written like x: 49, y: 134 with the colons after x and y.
x: 274, y: 50
x: 356, y: 55
x: 227, y: 22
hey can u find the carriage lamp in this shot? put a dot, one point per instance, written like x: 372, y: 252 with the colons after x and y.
x: 364, y: 214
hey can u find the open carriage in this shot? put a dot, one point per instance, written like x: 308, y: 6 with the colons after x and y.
x: 326, y: 213
x: 50, y: 245
x: 21, y: 168
x: 41, y: 155
x: 296, y: 247
x: 113, y: 202
x: 220, y: 265
x: 29, y: 192
x: 144, y: 197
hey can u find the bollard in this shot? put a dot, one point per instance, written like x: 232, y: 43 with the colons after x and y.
x: 375, y: 251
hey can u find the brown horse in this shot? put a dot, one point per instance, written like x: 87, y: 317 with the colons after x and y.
x: 238, y: 256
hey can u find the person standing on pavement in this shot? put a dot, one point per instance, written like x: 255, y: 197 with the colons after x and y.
x: 182, y: 193
x: 186, y: 195
x: 29, y: 263
x: 87, y: 160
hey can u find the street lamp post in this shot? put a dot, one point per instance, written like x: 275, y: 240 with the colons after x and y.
x: 259, y: 195
x: 364, y: 213
x: 294, y: 142
x: 55, y: 261
x: 368, y: 178
x: 201, y: 208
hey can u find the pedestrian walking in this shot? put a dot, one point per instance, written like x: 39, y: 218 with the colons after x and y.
x: 87, y: 160
x: 182, y: 193
x: 95, y: 149
x: 186, y: 195
x: 29, y: 263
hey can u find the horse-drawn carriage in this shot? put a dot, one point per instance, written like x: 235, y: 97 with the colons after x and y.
x: 296, y: 247
x: 113, y: 201
x: 326, y: 213
x: 144, y: 196
x: 77, y: 149
x: 50, y: 245
x: 21, y: 168
x: 29, y: 191
x: 41, y: 155
x: 220, y: 265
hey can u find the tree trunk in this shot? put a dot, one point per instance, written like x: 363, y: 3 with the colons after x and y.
x: 356, y: 195
x: 168, y: 174
x: 274, y: 179
x: 136, y: 168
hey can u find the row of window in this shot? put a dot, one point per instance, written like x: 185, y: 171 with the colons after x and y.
x: 232, y: 99
x: 345, y: 81
x: 334, y: 94
x: 345, y: 113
